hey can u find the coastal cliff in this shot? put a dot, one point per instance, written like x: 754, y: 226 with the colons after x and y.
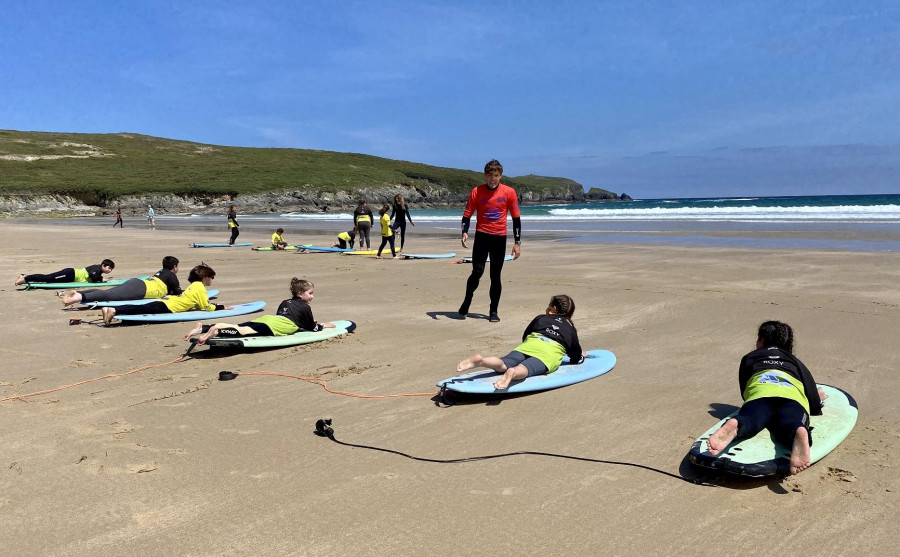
x: 82, y: 174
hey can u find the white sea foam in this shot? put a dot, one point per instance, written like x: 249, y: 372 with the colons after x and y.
x: 750, y: 212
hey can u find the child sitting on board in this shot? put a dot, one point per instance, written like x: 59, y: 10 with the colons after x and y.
x: 779, y: 394
x: 345, y: 240
x: 91, y: 273
x: 546, y: 340
x: 278, y: 240
x: 194, y: 297
x: 294, y: 314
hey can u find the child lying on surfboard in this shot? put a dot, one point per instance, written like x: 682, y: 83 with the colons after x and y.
x: 194, y: 297
x: 163, y: 283
x: 293, y: 314
x: 779, y: 394
x: 91, y: 273
x: 546, y: 340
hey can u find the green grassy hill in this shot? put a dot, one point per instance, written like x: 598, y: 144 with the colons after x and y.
x: 100, y: 167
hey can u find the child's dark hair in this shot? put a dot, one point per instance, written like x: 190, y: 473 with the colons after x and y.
x: 108, y: 263
x: 564, y: 305
x: 385, y: 208
x: 778, y: 334
x: 493, y: 165
x: 280, y: 231
x: 170, y: 262
x: 299, y: 286
x: 200, y: 272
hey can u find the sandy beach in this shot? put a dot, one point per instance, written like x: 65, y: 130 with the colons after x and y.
x: 170, y: 460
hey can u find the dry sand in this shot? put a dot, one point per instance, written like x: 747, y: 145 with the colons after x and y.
x: 170, y: 460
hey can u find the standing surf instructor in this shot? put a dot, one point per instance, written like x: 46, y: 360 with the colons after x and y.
x: 492, y: 201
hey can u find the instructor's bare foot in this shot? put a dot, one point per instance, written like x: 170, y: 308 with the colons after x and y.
x: 722, y: 437
x: 196, y: 330
x: 20, y: 280
x: 800, y: 457
x: 469, y: 363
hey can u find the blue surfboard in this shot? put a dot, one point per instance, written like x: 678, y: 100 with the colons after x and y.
x: 322, y: 248
x: 427, y: 255
x: 482, y: 381
x: 194, y: 315
x: 210, y: 293
x: 220, y: 245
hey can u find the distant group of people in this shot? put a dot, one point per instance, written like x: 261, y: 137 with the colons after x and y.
x: 398, y: 212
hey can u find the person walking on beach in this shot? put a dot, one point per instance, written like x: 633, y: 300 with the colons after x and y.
x: 548, y: 338
x: 387, y: 234
x: 119, y: 218
x: 362, y: 222
x: 492, y: 201
x: 400, y: 212
x: 779, y: 394
x: 233, y: 225
x: 150, y: 215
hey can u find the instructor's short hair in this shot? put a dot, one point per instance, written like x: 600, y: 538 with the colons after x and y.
x: 493, y: 165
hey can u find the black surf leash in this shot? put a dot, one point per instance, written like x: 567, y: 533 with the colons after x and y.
x: 325, y: 429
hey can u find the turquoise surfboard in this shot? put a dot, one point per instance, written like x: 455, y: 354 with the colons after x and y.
x: 427, y: 255
x: 482, y: 381
x: 300, y: 337
x: 194, y: 315
x: 220, y: 244
x: 761, y: 456
x: 78, y: 285
x: 210, y: 293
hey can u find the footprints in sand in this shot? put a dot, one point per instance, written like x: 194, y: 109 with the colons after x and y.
x: 115, y: 452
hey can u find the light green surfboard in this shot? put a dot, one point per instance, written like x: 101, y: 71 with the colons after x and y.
x: 77, y: 285
x: 300, y: 337
x: 761, y: 456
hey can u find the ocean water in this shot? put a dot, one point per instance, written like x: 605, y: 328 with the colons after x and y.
x: 841, y: 222
x: 849, y: 222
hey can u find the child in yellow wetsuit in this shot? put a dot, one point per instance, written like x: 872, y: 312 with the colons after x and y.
x: 294, y: 314
x: 278, y: 240
x: 546, y: 340
x: 779, y: 394
x: 387, y: 233
x: 194, y: 297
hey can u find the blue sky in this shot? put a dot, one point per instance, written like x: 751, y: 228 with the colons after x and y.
x: 656, y: 99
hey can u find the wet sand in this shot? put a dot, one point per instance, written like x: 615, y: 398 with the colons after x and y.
x: 169, y: 459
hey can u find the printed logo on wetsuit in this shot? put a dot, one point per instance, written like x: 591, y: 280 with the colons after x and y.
x: 774, y: 379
